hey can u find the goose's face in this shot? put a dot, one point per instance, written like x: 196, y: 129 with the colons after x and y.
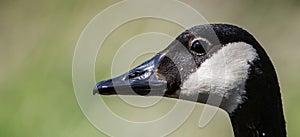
x: 193, y: 67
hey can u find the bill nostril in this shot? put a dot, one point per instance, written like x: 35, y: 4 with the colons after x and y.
x: 135, y: 74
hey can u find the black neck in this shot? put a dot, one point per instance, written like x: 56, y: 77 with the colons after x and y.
x: 261, y: 114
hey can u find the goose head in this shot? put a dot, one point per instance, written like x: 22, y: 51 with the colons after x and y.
x: 218, y: 61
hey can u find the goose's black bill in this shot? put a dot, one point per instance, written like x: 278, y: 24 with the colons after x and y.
x: 141, y: 80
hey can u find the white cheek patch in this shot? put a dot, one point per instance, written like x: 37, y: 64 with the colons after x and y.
x: 223, y: 75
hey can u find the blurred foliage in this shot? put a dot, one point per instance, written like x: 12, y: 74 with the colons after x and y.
x: 37, y: 40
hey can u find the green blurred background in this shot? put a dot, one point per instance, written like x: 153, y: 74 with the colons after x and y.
x: 38, y: 38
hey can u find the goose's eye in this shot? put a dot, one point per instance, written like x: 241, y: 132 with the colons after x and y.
x: 197, y: 47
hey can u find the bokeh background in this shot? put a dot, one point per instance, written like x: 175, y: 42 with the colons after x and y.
x: 38, y: 38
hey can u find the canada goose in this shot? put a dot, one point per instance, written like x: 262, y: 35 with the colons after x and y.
x: 233, y: 67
